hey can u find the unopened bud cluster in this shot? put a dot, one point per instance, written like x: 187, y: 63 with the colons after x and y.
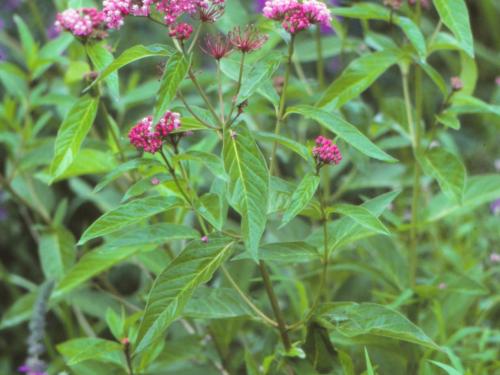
x: 148, y: 138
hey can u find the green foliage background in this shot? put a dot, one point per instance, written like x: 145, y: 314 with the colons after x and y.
x: 126, y: 255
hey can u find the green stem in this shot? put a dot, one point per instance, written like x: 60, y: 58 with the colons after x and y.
x: 238, y: 88
x: 204, y: 96
x: 221, y: 96
x: 247, y: 300
x: 190, y: 110
x: 112, y: 131
x: 414, y: 129
x: 275, y: 306
x: 281, y: 108
x: 129, y: 359
x: 195, y: 39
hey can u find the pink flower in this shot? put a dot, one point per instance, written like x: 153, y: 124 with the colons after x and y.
x: 211, y: 11
x: 248, y: 39
x: 326, y: 152
x: 115, y: 11
x: 204, y: 239
x: 168, y: 123
x: 150, y: 139
x: 80, y: 22
x: 495, y: 258
x: 181, y: 31
x: 296, y: 16
x: 141, y: 7
x: 155, y: 181
x: 442, y: 286
x: 218, y: 47
x: 143, y: 137
x: 456, y: 83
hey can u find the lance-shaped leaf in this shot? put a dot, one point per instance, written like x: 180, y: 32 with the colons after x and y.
x: 455, y: 16
x: 447, y: 169
x: 120, y: 248
x: 358, y: 76
x: 173, y: 288
x: 352, y: 319
x: 132, y: 54
x: 249, y: 183
x: 127, y: 214
x: 72, y: 133
x: 56, y: 250
x: 101, y: 57
x: 175, y: 71
x: 379, y: 12
x: 362, y: 216
x: 344, y: 130
x: 82, y: 349
x: 301, y: 197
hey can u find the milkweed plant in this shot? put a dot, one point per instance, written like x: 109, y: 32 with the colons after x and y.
x: 249, y: 187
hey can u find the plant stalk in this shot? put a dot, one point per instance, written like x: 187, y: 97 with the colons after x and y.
x: 281, y: 109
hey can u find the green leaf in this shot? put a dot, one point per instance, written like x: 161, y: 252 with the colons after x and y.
x: 455, y: 16
x: 123, y: 168
x: 378, y: 12
x: 91, y: 348
x: 462, y: 103
x: 319, y: 349
x: 301, y: 197
x: 101, y: 58
x: 369, y: 367
x: 72, y: 133
x: 175, y: 71
x: 344, y: 130
x: 211, y: 161
x: 479, y: 190
x: 285, y: 252
x: 352, y: 319
x: 30, y: 48
x: 449, y: 119
x: 357, y: 77
x: 173, y: 288
x: 249, y: 183
x: 92, y: 264
x: 20, y: 311
x: 132, y: 54
x: 151, y: 235
x: 56, y: 251
x: 211, y: 207
x: 362, y: 216
x: 346, y: 230
x: 447, y: 169
x: 449, y: 370
x: 127, y: 214
x: 220, y: 303
x: 292, y: 145
x: 435, y: 77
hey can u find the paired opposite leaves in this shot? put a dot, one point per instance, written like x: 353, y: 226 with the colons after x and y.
x: 175, y: 71
x: 173, y: 288
x: 249, y: 183
x: 72, y: 133
x: 344, y: 130
x: 101, y: 58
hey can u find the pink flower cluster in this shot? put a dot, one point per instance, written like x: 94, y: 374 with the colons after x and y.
x: 326, y: 152
x: 80, y: 22
x: 181, y: 32
x: 115, y: 11
x: 296, y: 16
x: 207, y: 10
x: 150, y: 139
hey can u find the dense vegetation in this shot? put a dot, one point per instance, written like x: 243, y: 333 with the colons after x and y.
x: 249, y: 187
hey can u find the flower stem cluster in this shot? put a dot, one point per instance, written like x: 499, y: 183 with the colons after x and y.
x: 148, y: 138
x: 326, y: 152
x: 296, y: 16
